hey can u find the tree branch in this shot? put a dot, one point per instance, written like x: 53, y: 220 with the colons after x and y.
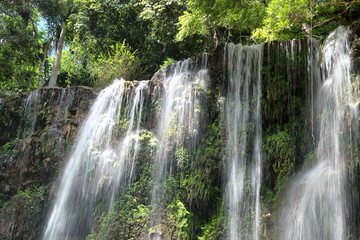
x: 333, y: 18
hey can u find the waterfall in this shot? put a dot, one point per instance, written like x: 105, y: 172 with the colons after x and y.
x: 98, y: 163
x: 29, y: 115
x: 244, y: 140
x: 178, y: 125
x: 314, y: 207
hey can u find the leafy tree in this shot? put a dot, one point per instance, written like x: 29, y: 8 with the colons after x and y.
x: 221, y: 21
x: 58, y: 15
x: 284, y: 20
x: 97, y: 30
x: 330, y: 14
x: 90, y: 30
x: 300, y: 18
x: 20, y: 45
x: 148, y: 26
x: 161, y: 17
x: 77, y: 66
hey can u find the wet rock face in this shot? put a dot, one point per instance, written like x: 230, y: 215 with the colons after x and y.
x: 37, y: 132
x: 22, y: 216
x: 10, y: 108
x: 56, y: 115
x: 355, y: 46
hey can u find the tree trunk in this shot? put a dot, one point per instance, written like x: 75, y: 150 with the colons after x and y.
x: 46, y: 49
x: 56, y: 66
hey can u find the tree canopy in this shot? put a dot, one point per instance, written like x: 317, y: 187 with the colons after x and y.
x: 83, y: 37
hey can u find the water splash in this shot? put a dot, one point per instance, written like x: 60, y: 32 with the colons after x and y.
x: 97, y: 166
x: 314, y: 208
x: 243, y: 121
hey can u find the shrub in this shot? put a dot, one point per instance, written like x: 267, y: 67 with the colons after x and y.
x: 120, y: 62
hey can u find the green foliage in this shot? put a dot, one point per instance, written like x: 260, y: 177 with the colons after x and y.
x: 34, y: 199
x: 193, y: 23
x: 127, y: 220
x: 277, y: 147
x: 156, y: 30
x: 9, y: 150
x: 176, y: 219
x: 120, y: 62
x: 149, y: 137
x: 167, y: 62
x: 310, y: 159
x: 26, y: 211
x: 161, y: 18
x: 130, y: 215
x: 284, y: 20
x: 220, y: 21
x: 20, y: 46
x: 280, y: 155
x: 198, y: 179
x: 77, y: 67
x: 175, y: 223
x: 3, y: 200
x: 214, y: 229
x: 182, y: 157
x: 120, y: 127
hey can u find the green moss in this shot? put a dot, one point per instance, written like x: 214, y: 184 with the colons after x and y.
x: 4, y: 198
x: 281, y: 156
x: 198, y: 179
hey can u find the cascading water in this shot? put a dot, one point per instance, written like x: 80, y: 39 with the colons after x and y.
x: 97, y: 165
x: 29, y: 116
x: 178, y: 124
x: 244, y: 140
x: 314, y: 208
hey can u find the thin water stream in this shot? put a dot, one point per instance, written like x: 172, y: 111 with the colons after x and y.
x: 244, y: 140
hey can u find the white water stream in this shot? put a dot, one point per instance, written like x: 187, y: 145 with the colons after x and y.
x: 243, y: 123
x: 97, y: 165
x: 314, y: 208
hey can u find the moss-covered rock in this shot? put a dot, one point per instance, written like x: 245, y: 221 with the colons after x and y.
x: 33, y: 150
x: 23, y: 215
